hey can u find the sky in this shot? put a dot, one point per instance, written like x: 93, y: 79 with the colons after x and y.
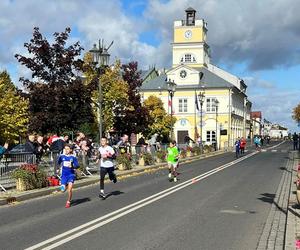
x: 258, y: 41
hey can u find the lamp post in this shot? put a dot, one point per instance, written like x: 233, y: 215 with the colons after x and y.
x: 216, y: 106
x: 171, y: 90
x: 201, y: 98
x: 100, y: 60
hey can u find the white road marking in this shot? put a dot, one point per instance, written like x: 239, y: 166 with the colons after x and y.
x: 99, y: 222
x: 274, y: 150
x: 92, y: 225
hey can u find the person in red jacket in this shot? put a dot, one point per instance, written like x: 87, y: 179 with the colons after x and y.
x: 243, y: 145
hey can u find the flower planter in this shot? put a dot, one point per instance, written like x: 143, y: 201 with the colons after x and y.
x: 298, y: 196
x: 189, y: 154
x: 141, y: 162
x: 21, y: 185
x: 121, y: 167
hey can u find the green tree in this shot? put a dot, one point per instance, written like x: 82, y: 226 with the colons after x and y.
x: 13, y: 110
x: 159, y: 121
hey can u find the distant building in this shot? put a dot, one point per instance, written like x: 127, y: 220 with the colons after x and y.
x: 256, y: 122
x: 226, y: 108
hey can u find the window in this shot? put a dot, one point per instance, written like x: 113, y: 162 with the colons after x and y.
x: 188, y: 58
x: 210, y: 105
x: 211, y: 136
x: 182, y: 105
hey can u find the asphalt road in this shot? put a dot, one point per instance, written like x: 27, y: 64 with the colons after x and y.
x: 215, y: 205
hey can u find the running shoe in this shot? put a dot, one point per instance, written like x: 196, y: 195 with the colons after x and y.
x: 68, y: 204
x: 102, y: 195
x: 170, y: 175
x: 175, y: 179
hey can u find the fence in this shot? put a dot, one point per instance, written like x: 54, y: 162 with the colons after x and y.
x: 48, y: 162
x: 8, y: 163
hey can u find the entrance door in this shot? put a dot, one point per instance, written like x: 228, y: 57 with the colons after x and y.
x: 181, y: 135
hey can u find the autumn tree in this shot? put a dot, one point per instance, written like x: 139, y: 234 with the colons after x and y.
x: 159, y: 121
x: 134, y: 117
x: 296, y: 113
x: 13, y: 110
x: 58, y: 99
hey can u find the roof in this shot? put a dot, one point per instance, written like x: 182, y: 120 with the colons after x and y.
x: 255, y: 114
x: 190, y: 9
x: 210, y: 80
x: 145, y: 73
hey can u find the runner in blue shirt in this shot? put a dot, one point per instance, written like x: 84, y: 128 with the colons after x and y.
x: 68, y: 162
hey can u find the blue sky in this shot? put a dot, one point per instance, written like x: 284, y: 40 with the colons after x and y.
x: 254, y: 40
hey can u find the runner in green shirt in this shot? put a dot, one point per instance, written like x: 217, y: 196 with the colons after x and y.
x: 172, y: 158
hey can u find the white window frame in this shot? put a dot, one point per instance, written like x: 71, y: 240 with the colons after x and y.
x: 211, y: 136
x: 210, y: 104
x: 188, y: 58
x: 182, y: 105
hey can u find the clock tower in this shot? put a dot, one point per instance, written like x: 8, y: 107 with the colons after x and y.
x: 189, y: 45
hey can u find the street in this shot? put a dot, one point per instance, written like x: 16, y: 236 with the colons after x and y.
x: 218, y: 203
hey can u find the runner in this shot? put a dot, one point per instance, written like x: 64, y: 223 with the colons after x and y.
x: 68, y: 162
x: 107, y: 155
x: 172, y: 158
x: 237, y: 145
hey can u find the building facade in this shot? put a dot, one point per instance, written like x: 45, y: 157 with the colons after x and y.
x: 225, y: 112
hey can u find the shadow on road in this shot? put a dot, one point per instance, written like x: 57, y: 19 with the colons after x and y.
x: 269, y: 198
x: 284, y: 168
x: 114, y: 193
x: 79, y: 201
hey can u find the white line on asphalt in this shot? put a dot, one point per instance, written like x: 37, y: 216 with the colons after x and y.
x: 274, y: 150
x: 89, y: 226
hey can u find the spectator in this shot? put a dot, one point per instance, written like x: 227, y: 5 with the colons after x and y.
x: 140, y: 146
x: 242, y: 145
x: 237, y: 145
x: 295, y: 140
x: 3, y: 148
x: 31, y: 148
x: 40, y: 147
x: 187, y: 140
x: 123, y: 145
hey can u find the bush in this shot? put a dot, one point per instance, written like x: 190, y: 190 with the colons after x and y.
x: 31, y: 175
x: 147, y: 158
x: 197, y: 150
x: 182, y: 153
x: 190, y: 149
x: 161, y: 155
x: 125, y: 160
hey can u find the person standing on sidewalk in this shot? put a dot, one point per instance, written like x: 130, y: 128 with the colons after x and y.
x: 3, y: 149
x: 243, y: 145
x: 107, y: 155
x: 68, y: 162
x: 295, y: 140
x: 172, y: 159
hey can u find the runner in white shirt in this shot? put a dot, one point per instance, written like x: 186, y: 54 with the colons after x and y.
x: 107, y: 156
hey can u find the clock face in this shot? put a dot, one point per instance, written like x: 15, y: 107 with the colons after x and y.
x: 183, y: 74
x: 188, y: 34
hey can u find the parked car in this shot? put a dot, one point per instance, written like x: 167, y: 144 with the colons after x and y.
x: 20, y: 148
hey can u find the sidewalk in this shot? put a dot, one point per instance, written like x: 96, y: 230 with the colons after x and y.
x: 16, y: 196
x: 292, y: 236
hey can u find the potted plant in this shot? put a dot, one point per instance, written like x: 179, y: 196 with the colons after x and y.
x: 189, y: 151
x: 197, y: 150
x: 124, y: 161
x: 29, y: 176
x: 206, y: 148
x: 182, y: 153
x: 161, y: 156
x: 146, y: 159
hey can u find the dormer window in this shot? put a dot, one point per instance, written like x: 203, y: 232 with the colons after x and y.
x: 188, y: 58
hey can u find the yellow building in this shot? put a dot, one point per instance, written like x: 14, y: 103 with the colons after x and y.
x: 225, y: 111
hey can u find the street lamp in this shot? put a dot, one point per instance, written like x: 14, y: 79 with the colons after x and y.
x: 100, y: 60
x: 216, y: 136
x: 201, y: 98
x: 171, y: 90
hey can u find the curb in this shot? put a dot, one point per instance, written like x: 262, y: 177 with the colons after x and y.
x: 31, y: 194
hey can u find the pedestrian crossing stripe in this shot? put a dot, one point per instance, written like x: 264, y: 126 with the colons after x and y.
x: 266, y: 150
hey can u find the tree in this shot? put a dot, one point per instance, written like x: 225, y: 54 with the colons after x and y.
x: 58, y: 98
x: 159, y: 121
x: 13, y: 110
x: 134, y: 118
x: 296, y: 113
